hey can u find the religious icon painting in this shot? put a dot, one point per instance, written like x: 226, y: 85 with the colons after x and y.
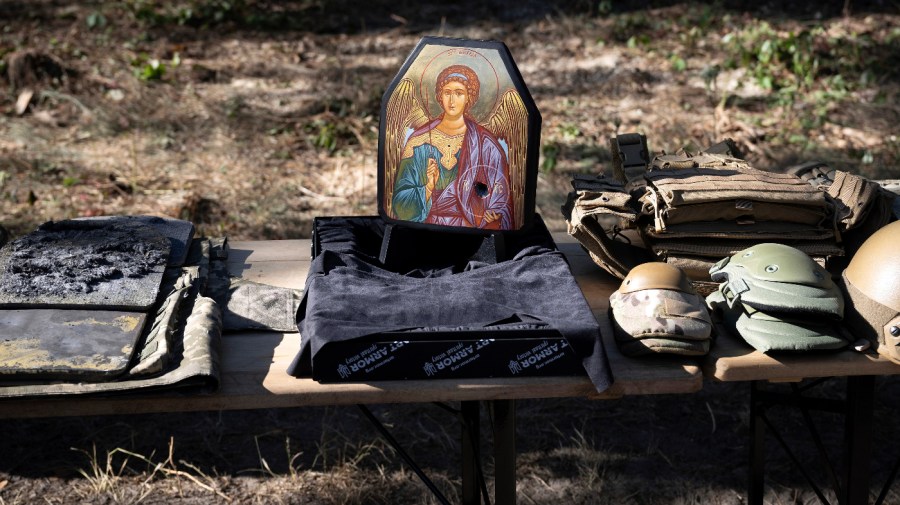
x: 459, y: 137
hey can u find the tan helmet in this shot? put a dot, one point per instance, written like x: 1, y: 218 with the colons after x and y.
x: 656, y: 275
x: 871, y: 285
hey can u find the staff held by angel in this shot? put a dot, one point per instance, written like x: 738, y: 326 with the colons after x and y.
x: 452, y: 170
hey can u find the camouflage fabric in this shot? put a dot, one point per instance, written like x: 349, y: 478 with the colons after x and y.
x: 661, y: 313
x: 155, y: 350
x: 218, y: 248
x: 249, y: 305
x: 202, y: 337
x: 656, y: 311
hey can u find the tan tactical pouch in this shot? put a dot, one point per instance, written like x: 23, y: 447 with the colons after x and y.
x: 596, y: 212
x: 702, y: 208
x: 694, y: 209
x: 728, y: 189
x: 863, y: 207
x: 856, y: 196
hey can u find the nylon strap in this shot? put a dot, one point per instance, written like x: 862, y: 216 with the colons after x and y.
x: 630, y: 156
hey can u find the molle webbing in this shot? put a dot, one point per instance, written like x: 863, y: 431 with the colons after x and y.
x: 857, y: 197
x: 816, y: 173
x: 708, y: 184
x: 746, y: 211
x: 722, y: 248
x: 693, y: 209
x: 731, y: 230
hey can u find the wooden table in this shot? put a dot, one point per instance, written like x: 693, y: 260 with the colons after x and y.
x: 253, y: 369
x: 731, y: 359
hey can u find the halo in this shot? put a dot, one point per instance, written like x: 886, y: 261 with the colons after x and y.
x: 487, y: 76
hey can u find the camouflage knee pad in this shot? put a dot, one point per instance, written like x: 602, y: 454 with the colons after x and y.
x: 656, y: 311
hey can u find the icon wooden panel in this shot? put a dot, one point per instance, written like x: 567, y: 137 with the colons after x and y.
x: 458, y: 141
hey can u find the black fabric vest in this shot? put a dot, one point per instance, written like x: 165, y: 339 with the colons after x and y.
x: 350, y: 294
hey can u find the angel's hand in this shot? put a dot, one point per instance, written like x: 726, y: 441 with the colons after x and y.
x: 431, y: 176
x: 491, y: 216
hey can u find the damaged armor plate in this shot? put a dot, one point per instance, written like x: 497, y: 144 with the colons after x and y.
x: 58, y: 344
x: 179, y: 232
x: 101, y: 264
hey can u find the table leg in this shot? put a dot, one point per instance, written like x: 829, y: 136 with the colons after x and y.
x: 504, y: 415
x: 403, y: 454
x: 756, y: 485
x: 858, y: 440
x: 470, y: 454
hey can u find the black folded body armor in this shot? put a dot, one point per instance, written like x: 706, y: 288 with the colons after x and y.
x: 448, y: 291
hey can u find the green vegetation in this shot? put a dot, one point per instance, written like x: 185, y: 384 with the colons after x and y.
x: 214, y: 13
x: 549, y: 155
x: 152, y: 69
x: 95, y: 19
x: 779, y: 61
x: 795, y: 60
x: 193, y: 13
x: 323, y: 134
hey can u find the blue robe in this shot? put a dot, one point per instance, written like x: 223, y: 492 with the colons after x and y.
x: 477, y: 184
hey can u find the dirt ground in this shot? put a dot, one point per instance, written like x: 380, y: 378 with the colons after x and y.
x: 674, y: 449
x: 250, y: 118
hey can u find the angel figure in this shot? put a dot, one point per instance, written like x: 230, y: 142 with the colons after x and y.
x: 451, y: 170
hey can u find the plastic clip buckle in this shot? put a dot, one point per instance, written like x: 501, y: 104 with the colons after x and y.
x: 632, y: 150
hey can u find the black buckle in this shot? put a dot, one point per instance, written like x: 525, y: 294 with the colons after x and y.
x: 633, y: 150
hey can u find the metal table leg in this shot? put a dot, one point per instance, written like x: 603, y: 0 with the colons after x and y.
x: 470, y: 457
x: 403, y: 454
x: 858, y: 440
x: 756, y: 484
x: 857, y: 409
x: 504, y: 417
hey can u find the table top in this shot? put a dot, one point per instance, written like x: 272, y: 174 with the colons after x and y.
x: 731, y: 359
x: 254, y: 363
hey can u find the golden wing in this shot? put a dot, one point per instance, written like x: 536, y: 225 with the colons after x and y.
x: 403, y: 112
x: 509, y: 122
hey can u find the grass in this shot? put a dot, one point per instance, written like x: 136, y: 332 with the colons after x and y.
x: 105, y: 476
x: 636, y: 450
